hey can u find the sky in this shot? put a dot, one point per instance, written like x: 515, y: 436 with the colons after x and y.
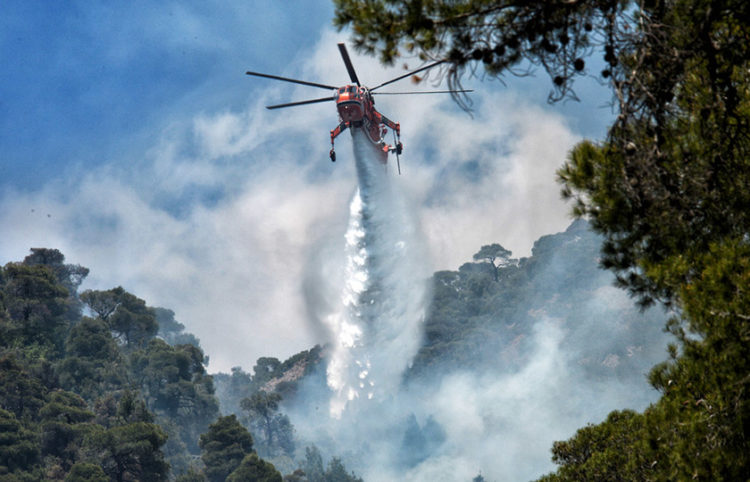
x: 132, y: 141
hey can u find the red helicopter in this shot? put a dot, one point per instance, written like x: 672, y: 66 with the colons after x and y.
x: 356, y: 106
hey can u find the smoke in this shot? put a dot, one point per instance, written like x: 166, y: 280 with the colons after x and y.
x: 495, y: 420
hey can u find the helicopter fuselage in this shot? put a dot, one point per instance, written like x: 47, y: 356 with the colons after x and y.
x: 356, y: 109
x: 351, y: 102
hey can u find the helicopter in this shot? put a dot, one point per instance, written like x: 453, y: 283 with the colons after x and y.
x: 356, y: 106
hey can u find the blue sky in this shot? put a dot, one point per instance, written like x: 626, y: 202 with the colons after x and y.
x: 132, y: 141
x: 86, y: 82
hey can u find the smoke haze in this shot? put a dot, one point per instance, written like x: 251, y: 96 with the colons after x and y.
x: 496, y: 419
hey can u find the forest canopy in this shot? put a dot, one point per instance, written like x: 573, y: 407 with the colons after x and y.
x: 97, y: 397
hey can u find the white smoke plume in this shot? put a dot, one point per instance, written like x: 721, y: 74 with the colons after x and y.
x: 496, y: 420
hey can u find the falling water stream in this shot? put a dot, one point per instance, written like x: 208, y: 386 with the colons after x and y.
x: 377, y: 323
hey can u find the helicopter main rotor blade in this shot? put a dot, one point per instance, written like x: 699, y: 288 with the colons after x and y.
x: 348, y: 63
x: 295, y: 81
x: 462, y: 91
x: 407, y: 75
x: 302, y: 102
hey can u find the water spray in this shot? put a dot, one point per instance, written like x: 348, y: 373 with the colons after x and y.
x: 377, y: 326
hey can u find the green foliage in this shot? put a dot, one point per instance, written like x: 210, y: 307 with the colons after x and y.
x: 668, y: 190
x: 261, y: 407
x: 254, y: 469
x: 130, y: 409
x: 501, y: 35
x: 93, y: 364
x: 45, y: 345
x: 596, y: 449
x: 175, y: 450
x: 335, y: 471
x: 19, y: 447
x: 232, y: 388
x: 224, y: 447
x: 313, y: 465
x: 172, y: 331
x: 65, y: 423
x: 37, y: 307
x: 269, y: 375
x: 257, y: 400
x: 473, y: 319
x: 191, y: 475
x: 495, y: 255
x: 176, y: 386
x: 20, y: 392
x: 86, y: 472
x: 670, y: 180
x: 265, y: 369
x: 127, y: 316
x: 131, y: 452
x: 69, y: 275
x: 700, y: 424
x: 297, y: 476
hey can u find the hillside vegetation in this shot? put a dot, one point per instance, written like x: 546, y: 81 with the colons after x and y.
x: 97, y: 385
x: 482, y: 316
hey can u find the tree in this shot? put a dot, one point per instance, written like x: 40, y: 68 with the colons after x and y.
x: 176, y: 386
x: 127, y: 443
x: 264, y: 370
x: 494, y: 255
x: 126, y: 315
x: 103, y: 303
x: 501, y: 35
x: 675, y: 159
x: 132, y: 452
x: 667, y: 190
x: 86, y: 472
x: 21, y: 392
x: 65, y: 422
x: 262, y: 408
x: 69, y: 275
x: 595, y: 449
x: 37, y: 306
x: 191, y: 475
x: 18, y: 445
x: 313, y: 465
x: 334, y: 472
x: 224, y: 447
x: 93, y: 363
x: 172, y: 331
x: 254, y: 469
x: 232, y: 389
